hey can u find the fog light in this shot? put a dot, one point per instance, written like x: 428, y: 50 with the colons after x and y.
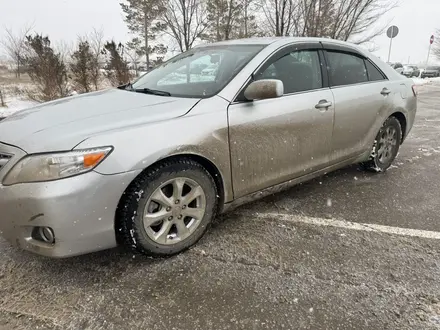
x: 47, y: 234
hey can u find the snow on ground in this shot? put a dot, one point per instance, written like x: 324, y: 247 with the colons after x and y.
x: 14, y: 104
x: 420, y: 81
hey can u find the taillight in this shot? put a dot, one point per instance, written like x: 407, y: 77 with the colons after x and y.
x: 414, y: 90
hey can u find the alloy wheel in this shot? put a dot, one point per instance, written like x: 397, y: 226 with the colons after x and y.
x: 387, y: 144
x: 174, y: 211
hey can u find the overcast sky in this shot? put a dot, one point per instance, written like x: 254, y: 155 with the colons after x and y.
x: 66, y: 19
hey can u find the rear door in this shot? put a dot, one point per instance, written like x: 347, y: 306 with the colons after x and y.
x: 362, y: 96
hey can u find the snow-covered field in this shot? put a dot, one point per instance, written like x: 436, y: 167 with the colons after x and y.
x: 15, y: 104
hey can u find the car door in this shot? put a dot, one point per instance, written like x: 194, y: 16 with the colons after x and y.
x: 362, y: 95
x: 274, y: 140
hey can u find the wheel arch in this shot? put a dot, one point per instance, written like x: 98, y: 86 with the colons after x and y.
x: 403, y: 123
x: 203, y: 161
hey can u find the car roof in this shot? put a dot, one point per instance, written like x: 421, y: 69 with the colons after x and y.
x: 270, y: 40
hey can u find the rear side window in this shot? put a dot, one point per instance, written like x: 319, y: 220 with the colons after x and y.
x: 346, y: 69
x: 373, y: 73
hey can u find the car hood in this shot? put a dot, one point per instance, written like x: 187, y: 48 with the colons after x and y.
x: 62, y: 124
x: 431, y: 71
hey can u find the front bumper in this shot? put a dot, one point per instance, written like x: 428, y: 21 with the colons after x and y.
x: 80, y: 210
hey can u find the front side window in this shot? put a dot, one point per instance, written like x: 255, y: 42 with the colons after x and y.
x: 299, y: 71
x: 201, y: 72
x: 346, y: 69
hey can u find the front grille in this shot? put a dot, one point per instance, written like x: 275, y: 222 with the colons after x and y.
x: 4, y: 159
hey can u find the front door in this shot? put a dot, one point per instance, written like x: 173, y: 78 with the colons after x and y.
x: 275, y: 140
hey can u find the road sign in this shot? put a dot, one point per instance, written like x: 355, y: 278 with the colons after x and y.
x: 431, y: 41
x: 392, y: 32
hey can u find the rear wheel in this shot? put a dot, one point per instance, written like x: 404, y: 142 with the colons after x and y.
x: 386, y: 146
x: 167, y: 209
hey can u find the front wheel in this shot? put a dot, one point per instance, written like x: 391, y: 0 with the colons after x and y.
x: 386, y: 146
x: 167, y: 209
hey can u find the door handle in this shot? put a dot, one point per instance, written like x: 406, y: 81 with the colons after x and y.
x: 323, y: 105
x: 385, y: 91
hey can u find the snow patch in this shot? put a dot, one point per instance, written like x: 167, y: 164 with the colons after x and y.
x: 13, y: 105
x: 425, y: 81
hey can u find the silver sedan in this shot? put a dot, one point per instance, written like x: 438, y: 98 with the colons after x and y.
x: 150, y: 164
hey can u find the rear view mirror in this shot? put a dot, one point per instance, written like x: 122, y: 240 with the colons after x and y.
x: 264, y: 89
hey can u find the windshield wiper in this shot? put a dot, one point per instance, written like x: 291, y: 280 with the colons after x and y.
x: 152, y: 91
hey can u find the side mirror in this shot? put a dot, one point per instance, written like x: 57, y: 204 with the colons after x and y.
x: 264, y: 89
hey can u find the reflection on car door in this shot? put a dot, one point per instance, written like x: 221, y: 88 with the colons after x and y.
x: 274, y: 140
x: 362, y: 94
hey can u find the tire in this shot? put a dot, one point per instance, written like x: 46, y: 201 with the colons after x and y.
x: 153, y: 196
x: 381, y: 159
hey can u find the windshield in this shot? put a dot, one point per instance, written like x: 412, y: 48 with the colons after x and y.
x: 199, y: 73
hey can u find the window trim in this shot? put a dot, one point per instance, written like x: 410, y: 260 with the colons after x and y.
x: 384, y: 76
x: 279, y: 53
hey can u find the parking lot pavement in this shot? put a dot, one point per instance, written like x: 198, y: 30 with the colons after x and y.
x: 350, y: 250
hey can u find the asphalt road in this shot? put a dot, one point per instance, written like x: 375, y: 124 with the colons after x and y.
x: 257, y: 270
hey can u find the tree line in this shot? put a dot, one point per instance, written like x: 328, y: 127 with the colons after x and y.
x: 188, y: 21
x: 156, y: 26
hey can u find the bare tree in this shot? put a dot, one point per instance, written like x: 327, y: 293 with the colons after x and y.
x: 314, y: 18
x: 279, y: 15
x: 353, y: 19
x: 436, y: 47
x: 185, y: 21
x: 2, y: 101
x: 96, y: 42
x: 134, y: 53
x: 248, y: 23
x: 15, y: 46
x: 348, y: 20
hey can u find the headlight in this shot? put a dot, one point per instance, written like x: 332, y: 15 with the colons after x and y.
x: 55, y: 166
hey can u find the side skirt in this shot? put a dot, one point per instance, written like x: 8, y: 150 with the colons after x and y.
x: 289, y: 184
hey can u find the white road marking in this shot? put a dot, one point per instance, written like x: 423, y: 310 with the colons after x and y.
x: 348, y: 225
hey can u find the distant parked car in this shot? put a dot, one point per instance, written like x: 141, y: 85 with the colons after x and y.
x: 411, y: 71
x: 431, y: 72
x: 397, y: 66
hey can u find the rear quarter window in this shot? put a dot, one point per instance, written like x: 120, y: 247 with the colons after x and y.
x: 373, y: 73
